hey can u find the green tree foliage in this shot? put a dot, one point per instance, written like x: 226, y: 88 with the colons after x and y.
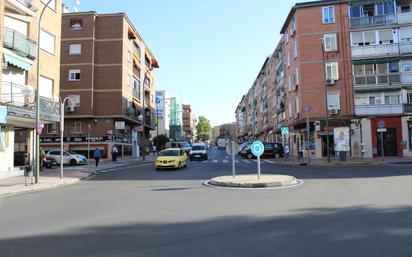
x: 204, y: 129
x: 160, y: 141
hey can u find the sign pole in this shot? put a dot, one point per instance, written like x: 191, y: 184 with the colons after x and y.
x: 233, y: 159
x: 383, y: 155
x: 258, y: 166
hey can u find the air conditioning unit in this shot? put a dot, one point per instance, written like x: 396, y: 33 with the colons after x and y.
x: 334, y: 111
x: 69, y: 108
x: 330, y: 81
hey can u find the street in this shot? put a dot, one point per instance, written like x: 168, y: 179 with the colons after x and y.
x: 137, y: 211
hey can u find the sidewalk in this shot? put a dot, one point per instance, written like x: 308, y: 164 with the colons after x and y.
x: 51, y: 177
x: 334, y: 161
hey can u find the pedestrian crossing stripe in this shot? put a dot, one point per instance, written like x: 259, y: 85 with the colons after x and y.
x: 246, y: 161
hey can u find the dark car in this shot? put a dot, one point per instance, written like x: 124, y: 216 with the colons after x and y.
x: 271, y: 150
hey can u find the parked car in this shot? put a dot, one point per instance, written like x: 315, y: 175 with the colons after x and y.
x: 221, y: 144
x: 69, y: 157
x: 271, y: 150
x: 199, y: 152
x: 49, y: 162
x: 171, y: 158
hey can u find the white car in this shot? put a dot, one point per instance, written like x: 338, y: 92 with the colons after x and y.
x: 69, y: 157
x: 198, y: 152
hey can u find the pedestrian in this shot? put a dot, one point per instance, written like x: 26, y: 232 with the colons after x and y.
x: 154, y: 150
x: 114, y: 153
x: 286, y: 152
x: 97, y: 155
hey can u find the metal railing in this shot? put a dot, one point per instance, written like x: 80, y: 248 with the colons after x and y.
x: 368, y: 21
x: 19, y: 43
x: 407, y: 108
x: 11, y: 94
x: 28, y: 3
x: 378, y: 79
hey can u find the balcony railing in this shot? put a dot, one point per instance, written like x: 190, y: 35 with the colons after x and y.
x: 378, y: 79
x: 28, y: 4
x: 406, y: 77
x: 379, y: 109
x: 360, y: 22
x: 407, y: 108
x: 405, y: 47
x: 19, y: 43
x: 375, y: 50
x: 27, y: 7
x: 405, y: 17
x: 20, y: 105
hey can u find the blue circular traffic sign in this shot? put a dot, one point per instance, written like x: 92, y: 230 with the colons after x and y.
x: 257, y: 148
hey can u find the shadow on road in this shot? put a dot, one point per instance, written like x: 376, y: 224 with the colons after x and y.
x: 359, y: 231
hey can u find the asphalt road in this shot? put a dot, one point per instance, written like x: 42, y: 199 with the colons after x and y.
x: 137, y: 211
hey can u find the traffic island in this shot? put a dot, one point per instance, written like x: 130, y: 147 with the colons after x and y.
x: 252, y: 181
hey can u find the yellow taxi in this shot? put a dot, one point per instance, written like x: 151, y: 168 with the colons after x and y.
x: 171, y: 158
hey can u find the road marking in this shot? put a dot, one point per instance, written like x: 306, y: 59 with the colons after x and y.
x: 247, y: 161
x: 214, y: 161
x: 225, y: 161
x: 268, y: 161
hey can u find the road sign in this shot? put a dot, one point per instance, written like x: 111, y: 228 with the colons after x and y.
x: 284, y: 130
x: 232, y: 149
x: 257, y: 148
x: 381, y: 129
x: 381, y: 123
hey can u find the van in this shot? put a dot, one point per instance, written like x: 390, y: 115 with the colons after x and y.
x: 221, y: 144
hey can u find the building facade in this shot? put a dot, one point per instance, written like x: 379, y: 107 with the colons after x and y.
x: 189, y: 122
x: 175, y: 123
x: 20, y: 43
x: 162, y: 113
x: 107, y: 74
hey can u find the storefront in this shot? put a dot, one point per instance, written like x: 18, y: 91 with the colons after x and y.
x: 387, y: 135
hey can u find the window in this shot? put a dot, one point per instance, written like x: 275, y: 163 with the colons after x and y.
x: 369, y: 38
x: 297, y: 106
x: 52, y: 4
x: 328, y: 14
x: 289, y: 84
x: 136, y: 88
x: 330, y: 42
x: 409, y: 96
x: 46, y: 87
x: 407, y: 67
x: 355, y: 11
x: 357, y: 38
x: 74, y: 75
x: 4, y: 139
x: 293, y: 23
x: 51, y: 128
x: 288, y: 59
x: 369, y: 69
x: 295, y: 49
x: 375, y: 99
x: 76, y: 127
x: 410, y: 134
x: 332, y: 71
x: 393, y: 67
x: 382, y: 68
x: 75, y: 49
x: 128, y: 80
x: 47, y: 41
x: 361, y: 100
x: 385, y: 36
x: 76, y: 24
x: 296, y: 76
x: 333, y: 100
x: 290, y: 109
x: 358, y: 70
x: 129, y: 56
x: 286, y: 37
x: 391, y: 99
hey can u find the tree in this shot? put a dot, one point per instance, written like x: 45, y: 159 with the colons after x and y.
x: 160, y: 141
x: 204, y: 129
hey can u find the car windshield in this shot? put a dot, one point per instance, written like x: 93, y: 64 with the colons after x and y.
x: 169, y: 153
x: 184, y: 144
x: 71, y: 152
x: 198, y: 147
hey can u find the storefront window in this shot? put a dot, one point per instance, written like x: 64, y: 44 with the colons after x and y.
x: 410, y: 135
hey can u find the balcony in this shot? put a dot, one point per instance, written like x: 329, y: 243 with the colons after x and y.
x: 381, y: 109
x: 21, y: 106
x: 405, y: 47
x: 19, y: 43
x: 26, y: 7
x: 405, y: 18
x: 407, y: 108
x: 377, y: 79
x: 406, y: 77
x: 375, y: 50
x: 369, y: 21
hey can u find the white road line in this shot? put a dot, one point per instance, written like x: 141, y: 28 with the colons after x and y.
x: 268, y: 161
x: 225, y: 161
x: 247, y: 161
x: 214, y: 161
x: 226, y: 157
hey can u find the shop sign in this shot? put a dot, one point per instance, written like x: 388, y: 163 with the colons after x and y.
x: 3, y: 114
x: 84, y: 139
x: 119, y: 125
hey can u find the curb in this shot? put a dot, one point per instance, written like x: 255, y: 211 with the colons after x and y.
x: 48, y: 187
x: 124, y: 165
x: 335, y: 164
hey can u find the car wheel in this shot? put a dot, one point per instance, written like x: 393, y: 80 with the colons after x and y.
x: 179, y: 165
x: 277, y: 155
x: 249, y: 156
x: 72, y: 162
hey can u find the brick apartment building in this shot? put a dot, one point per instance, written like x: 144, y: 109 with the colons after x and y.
x: 189, y: 122
x: 103, y: 69
x: 346, y: 63
x: 19, y: 40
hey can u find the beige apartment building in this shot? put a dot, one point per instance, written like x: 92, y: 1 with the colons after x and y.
x: 20, y: 43
x: 107, y: 73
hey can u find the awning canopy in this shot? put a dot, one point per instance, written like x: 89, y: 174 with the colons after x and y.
x: 17, y: 62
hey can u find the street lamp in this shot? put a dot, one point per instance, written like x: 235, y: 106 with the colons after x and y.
x: 37, y: 136
x: 68, y: 99
x: 326, y: 98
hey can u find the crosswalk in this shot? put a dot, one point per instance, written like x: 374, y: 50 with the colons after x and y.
x: 238, y: 161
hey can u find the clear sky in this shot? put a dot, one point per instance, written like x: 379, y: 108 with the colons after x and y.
x: 209, y: 51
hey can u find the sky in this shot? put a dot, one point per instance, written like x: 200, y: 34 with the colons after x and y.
x: 209, y: 51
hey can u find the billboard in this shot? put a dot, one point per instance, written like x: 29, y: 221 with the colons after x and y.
x: 160, y: 104
x: 341, y: 139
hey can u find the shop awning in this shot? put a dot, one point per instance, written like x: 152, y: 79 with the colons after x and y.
x: 17, y: 62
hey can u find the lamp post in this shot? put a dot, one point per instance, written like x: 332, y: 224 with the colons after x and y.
x: 326, y: 99
x: 68, y: 99
x: 37, y: 136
